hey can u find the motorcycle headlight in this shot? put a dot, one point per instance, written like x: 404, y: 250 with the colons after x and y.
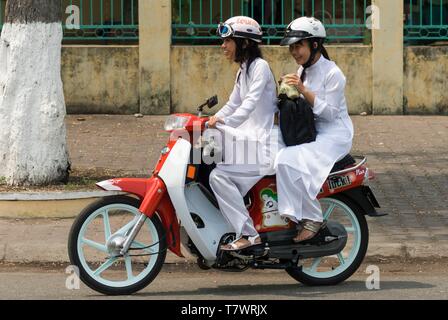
x: 175, y: 122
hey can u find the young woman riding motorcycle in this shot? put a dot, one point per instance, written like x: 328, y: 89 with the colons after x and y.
x: 250, y: 111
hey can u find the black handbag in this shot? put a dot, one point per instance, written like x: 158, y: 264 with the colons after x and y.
x: 296, y: 120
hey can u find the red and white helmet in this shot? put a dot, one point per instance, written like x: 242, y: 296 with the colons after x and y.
x: 303, y: 28
x: 240, y: 27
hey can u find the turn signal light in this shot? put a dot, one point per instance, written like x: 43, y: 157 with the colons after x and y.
x: 191, y: 172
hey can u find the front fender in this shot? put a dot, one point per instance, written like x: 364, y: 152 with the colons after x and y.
x: 154, y: 199
x: 136, y: 186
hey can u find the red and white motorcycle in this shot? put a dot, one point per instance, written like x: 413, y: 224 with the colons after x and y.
x: 119, y: 242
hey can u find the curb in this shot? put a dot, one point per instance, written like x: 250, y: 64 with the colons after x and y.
x: 57, y: 195
x: 48, y: 204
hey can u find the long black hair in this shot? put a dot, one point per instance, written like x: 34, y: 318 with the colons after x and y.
x: 246, y: 51
x: 320, y: 47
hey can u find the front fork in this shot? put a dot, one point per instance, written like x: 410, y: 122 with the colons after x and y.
x: 131, y: 237
x: 153, y: 195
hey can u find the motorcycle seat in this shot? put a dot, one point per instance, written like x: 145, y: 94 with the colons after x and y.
x: 340, y: 165
x: 343, y: 163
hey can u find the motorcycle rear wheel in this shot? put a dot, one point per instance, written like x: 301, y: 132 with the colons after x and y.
x: 324, y: 271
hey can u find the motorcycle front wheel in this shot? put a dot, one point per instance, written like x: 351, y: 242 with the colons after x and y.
x: 96, y: 238
x: 331, y: 270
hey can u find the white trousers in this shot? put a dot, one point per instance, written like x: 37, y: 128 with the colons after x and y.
x: 230, y: 188
x: 293, y: 199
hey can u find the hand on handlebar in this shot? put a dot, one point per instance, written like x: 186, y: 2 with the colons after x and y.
x: 213, y: 121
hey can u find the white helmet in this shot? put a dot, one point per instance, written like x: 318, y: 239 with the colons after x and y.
x: 240, y: 27
x: 303, y: 28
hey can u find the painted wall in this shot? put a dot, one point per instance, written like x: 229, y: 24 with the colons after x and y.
x: 425, y: 80
x: 105, y: 79
x: 101, y: 79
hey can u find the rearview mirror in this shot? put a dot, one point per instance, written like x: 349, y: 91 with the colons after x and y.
x: 210, y: 103
x: 213, y: 101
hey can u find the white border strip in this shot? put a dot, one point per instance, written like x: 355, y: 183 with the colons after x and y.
x: 48, y: 196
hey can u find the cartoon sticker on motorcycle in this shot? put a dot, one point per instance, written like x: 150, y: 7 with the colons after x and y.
x: 271, y: 217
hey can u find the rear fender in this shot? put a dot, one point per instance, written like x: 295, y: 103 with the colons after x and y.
x: 364, y: 197
x: 154, y: 199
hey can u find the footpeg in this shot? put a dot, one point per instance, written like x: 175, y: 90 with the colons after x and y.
x: 333, y: 238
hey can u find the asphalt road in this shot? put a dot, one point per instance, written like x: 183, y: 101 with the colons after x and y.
x: 423, y: 279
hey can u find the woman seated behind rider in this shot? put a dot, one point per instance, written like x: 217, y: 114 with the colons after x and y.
x: 249, y: 116
x: 301, y: 170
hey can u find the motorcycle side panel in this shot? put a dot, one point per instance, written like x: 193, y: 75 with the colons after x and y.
x: 214, y: 223
x: 173, y: 174
x: 174, y: 168
x: 343, y: 182
x: 264, y: 209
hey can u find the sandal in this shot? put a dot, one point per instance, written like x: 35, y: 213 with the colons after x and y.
x: 309, y: 227
x: 249, y: 242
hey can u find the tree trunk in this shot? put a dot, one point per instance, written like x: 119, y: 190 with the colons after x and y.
x: 32, y: 108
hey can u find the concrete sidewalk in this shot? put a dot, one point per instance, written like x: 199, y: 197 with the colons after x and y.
x: 409, y: 155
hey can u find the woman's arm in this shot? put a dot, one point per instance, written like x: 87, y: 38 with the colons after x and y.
x: 233, y: 103
x: 259, y: 79
x: 309, y: 96
x: 230, y: 107
x: 329, y: 107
